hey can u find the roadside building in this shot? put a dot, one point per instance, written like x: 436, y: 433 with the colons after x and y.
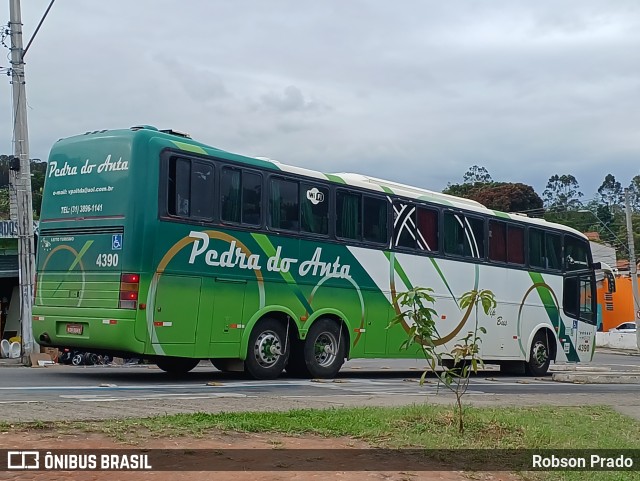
x: 9, y: 279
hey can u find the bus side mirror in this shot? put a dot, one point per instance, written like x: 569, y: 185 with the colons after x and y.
x: 611, y: 282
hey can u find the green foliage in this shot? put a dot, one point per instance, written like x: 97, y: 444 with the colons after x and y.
x: 416, y: 426
x: 4, y: 203
x: 610, y: 192
x: 634, y: 193
x: 463, y: 359
x: 477, y: 174
x: 38, y: 173
x: 509, y: 197
x: 562, y: 193
x: 502, y: 196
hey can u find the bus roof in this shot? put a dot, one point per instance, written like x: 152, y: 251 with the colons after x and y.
x: 182, y: 141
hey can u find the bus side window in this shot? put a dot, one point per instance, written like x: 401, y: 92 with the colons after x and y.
x: 553, y: 244
x: 375, y: 220
x: 536, y: 249
x: 284, y: 205
x: 463, y: 236
x: 497, y: 241
x: 427, y: 229
x: 251, y: 198
x: 348, y: 215
x: 230, y: 195
x: 179, y: 187
x: 404, y: 225
x: 201, y: 190
x: 515, y: 245
x: 314, y: 209
x: 453, y: 234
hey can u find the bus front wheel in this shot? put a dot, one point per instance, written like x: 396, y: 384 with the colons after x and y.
x: 176, y: 365
x: 324, y: 349
x: 268, y: 350
x: 539, y: 355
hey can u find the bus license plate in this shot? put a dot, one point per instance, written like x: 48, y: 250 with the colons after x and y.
x: 74, y: 329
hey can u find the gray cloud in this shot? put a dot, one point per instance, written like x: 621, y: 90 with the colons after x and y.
x: 415, y: 92
x: 291, y: 100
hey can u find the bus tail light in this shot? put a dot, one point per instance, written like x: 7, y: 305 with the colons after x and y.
x: 129, y: 287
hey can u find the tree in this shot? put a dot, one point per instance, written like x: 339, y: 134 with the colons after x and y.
x: 476, y: 174
x: 634, y: 193
x: 509, y: 197
x: 610, y: 192
x: 4, y: 171
x: 4, y: 203
x: 463, y: 359
x: 562, y: 193
x: 503, y: 196
x: 38, y: 173
x: 466, y: 191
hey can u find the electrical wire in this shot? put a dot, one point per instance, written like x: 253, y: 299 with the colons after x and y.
x: 24, y: 52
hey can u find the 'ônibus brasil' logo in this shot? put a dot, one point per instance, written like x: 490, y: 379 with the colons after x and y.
x: 234, y: 257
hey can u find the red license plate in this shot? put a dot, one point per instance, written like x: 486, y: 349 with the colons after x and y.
x: 74, y: 328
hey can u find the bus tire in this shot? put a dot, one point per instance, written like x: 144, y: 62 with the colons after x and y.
x: 324, y: 348
x: 176, y: 365
x: 539, y: 355
x: 268, y: 350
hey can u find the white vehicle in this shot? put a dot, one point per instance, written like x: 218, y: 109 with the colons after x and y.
x: 624, y: 327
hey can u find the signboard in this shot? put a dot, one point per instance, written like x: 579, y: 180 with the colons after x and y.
x: 9, y: 229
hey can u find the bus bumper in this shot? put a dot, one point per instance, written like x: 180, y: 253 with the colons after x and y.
x: 105, y: 332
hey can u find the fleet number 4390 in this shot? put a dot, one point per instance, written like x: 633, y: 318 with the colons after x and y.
x: 107, y: 260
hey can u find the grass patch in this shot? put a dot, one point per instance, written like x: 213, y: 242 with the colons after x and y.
x: 422, y: 426
x: 416, y: 426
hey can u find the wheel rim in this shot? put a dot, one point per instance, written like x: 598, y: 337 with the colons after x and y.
x: 325, y: 349
x: 540, y: 355
x: 267, y: 349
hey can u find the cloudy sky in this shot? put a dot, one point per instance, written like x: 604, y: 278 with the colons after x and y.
x: 414, y: 91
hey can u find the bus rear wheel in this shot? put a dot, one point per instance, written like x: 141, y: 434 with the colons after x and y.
x: 176, y: 365
x: 268, y: 350
x: 539, y: 356
x: 324, y: 349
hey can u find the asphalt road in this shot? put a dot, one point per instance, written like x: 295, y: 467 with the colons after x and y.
x: 94, y: 392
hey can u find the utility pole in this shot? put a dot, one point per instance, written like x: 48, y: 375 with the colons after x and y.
x: 633, y: 268
x: 21, y: 181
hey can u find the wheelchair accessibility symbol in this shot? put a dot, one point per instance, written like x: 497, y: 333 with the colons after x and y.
x: 116, y: 242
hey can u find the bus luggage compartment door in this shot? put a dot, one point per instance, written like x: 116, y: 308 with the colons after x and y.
x: 177, y: 305
x: 228, y: 306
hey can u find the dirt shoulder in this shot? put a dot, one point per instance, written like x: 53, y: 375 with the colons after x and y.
x: 253, y: 443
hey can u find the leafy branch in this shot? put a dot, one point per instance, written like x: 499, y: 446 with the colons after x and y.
x: 459, y: 362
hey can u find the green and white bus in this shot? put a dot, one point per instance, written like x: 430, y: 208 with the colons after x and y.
x: 156, y: 246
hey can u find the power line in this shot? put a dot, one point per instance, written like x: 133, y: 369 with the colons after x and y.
x: 24, y: 52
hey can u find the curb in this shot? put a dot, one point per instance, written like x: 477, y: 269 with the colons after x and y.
x: 596, y: 378
x: 573, y: 367
x: 11, y: 363
x: 619, y: 352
